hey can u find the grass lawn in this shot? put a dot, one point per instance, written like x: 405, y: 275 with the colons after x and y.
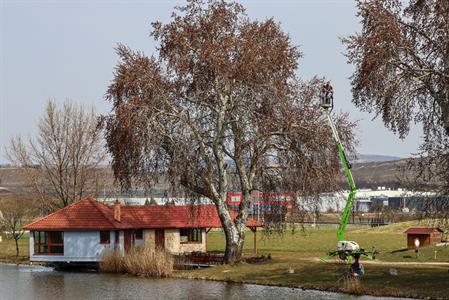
x: 8, y: 250
x: 316, y: 242
x: 300, y: 250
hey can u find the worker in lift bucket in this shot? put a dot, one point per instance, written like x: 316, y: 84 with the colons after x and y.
x: 357, y: 269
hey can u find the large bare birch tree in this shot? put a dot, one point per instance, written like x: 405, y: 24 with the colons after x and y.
x: 222, y: 96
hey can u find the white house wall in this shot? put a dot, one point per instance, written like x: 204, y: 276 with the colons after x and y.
x: 78, y: 247
x: 84, y: 246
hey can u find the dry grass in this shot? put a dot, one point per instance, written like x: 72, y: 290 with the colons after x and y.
x: 139, y: 261
x: 353, y: 285
x: 112, y: 261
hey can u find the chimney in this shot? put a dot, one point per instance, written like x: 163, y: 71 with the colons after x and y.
x: 117, y: 210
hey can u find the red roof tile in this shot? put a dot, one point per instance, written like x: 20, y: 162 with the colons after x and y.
x: 422, y: 230
x: 84, y: 214
x: 88, y: 214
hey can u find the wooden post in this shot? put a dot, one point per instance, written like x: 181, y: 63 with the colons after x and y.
x: 254, y: 230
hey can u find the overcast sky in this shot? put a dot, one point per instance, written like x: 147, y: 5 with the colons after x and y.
x: 65, y: 49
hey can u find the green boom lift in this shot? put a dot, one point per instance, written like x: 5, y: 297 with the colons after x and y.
x: 346, y: 250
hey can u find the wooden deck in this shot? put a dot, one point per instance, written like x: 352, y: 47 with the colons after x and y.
x: 199, y: 259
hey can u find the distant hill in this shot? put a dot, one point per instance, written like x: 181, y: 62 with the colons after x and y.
x: 370, y: 171
x: 362, y: 158
x: 374, y: 170
x: 383, y: 173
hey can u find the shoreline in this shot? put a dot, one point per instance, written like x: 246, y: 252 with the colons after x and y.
x: 313, y: 279
x: 22, y: 262
x: 312, y: 288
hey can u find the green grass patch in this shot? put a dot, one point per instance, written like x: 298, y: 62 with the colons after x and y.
x: 317, y: 242
x: 8, y: 250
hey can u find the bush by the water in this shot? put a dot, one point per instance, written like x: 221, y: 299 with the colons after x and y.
x: 138, y: 261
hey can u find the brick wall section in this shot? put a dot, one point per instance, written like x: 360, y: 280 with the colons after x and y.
x: 194, y: 247
x: 149, y: 238
x: 173, y: 243
x: 172, y: 240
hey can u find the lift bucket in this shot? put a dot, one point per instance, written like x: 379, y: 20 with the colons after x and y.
x: 327, y: 96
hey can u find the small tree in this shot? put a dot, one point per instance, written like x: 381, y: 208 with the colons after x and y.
x: 14, y: 214
x: 221, y: 103
x: 61, y: 162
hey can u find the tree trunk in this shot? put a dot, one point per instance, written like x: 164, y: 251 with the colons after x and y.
x: 234, y: 244
x: 17, y: 246
x: 234, y: 234
x: 445, y: 111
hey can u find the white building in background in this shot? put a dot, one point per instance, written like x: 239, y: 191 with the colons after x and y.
x: 159, y: 200
x: 367, y: 198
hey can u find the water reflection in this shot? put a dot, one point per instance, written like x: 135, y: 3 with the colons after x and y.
x: 26, y: 283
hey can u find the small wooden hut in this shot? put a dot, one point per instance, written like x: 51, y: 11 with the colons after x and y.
x: 426, y: 235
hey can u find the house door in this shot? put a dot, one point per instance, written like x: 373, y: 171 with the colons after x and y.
x: 127, y: 234
x: 159, y: 238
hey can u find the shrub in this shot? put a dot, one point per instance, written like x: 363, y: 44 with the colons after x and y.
x: 139, y: 261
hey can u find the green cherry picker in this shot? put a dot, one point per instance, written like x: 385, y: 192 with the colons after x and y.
x: 346, y: 250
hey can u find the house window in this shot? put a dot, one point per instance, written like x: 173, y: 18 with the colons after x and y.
x: 105, y: 237
x: 190, y: 235
x: 48, y: 242
x: 138, y: 234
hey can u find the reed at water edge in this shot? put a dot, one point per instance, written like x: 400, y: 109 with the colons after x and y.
x: 139, y: 261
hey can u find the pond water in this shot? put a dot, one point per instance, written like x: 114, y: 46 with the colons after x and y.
x: 32, y: 282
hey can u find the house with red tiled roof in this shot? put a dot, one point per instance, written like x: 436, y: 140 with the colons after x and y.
x: 84, y: 230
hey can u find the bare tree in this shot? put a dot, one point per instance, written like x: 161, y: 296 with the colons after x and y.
x: 14, y: 214
x: 221, y: 101
x: 402, y: 73
x: 61, y: 162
